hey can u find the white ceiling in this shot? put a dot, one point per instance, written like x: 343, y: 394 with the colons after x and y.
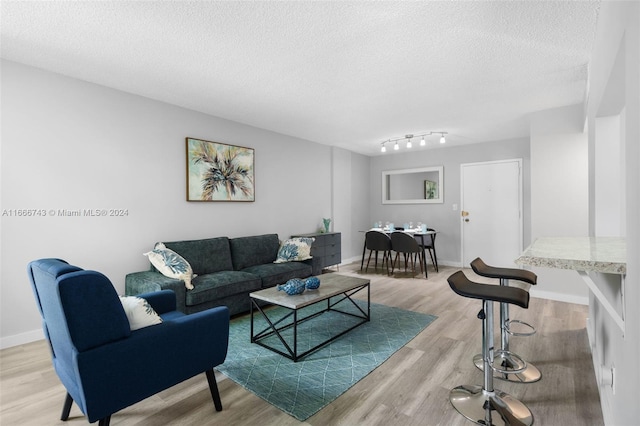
x: 348, y: 73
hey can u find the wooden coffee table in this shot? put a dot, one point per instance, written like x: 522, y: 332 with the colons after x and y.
x: 334, y: 288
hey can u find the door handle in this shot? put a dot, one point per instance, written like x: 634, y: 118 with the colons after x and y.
x: 464, y: 213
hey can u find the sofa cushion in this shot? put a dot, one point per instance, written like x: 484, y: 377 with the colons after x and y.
x: 171, y: 264
x: 204, y: 256
x: 295, y: 249
x: 255, y: 250
x: 221, y: 284
x: 278, y: 273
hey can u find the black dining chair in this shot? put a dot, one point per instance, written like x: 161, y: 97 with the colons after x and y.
x: 378, y: 241
x: 402, y: 242
x: 430, y: 245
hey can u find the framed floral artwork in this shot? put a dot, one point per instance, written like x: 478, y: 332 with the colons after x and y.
x: 219, y: 172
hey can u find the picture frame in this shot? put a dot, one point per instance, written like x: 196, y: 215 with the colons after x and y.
x: 219, y: 172
x: 430, y: 190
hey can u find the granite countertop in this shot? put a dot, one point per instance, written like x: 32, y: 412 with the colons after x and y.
x: 598, y: 254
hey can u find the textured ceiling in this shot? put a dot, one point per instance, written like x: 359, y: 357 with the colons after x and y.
x: 349, y: 74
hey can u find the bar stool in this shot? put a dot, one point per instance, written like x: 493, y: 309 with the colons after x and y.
x: 482, y: 404
x: 530, y: 374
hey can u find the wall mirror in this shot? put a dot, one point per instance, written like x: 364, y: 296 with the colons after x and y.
x: 413, y: 186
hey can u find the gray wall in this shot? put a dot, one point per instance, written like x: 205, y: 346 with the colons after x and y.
x: 68, y: 144
x: 442, y: 217
x: 350, y: 199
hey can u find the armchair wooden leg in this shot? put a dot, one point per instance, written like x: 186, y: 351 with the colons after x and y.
x: 213, y: 387
x: 105, y: 421
x: 66, y: 408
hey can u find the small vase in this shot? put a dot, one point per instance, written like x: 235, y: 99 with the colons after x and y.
x: 327, y: 223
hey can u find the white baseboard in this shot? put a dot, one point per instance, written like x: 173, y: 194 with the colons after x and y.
x: 351, y: 260
x: 358, y: 259
x: 21, y: 339
x: 450, y: 263
x: 560, y: 297
x: 549, y: 295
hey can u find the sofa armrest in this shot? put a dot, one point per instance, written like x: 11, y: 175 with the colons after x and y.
x: 148, y: 281
x: 316, y: 266
x: 162, y: 301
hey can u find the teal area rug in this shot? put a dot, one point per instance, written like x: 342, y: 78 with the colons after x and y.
x: 302, y: 388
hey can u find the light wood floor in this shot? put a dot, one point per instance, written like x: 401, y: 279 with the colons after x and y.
x: 411, y: 388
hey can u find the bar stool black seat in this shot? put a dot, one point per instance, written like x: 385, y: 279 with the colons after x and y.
x: 483, y: 404
x: 508, y: 326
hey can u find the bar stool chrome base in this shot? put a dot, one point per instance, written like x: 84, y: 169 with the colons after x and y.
x: 495, y: 408
x: 530, y: 374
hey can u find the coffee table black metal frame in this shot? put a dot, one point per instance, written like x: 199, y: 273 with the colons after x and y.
x: 332, y: 299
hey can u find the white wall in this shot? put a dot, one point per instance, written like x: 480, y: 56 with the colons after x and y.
x: 609, y: 182
x: 442, y: 217
x: 68, y: 144
x: 614, y: 90
x: 559, y: 193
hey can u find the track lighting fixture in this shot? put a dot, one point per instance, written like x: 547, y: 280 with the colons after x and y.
x: 408, y: 138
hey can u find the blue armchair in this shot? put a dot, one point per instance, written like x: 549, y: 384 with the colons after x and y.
x: 105, y: 366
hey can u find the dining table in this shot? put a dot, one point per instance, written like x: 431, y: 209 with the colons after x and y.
x: 416, y: 232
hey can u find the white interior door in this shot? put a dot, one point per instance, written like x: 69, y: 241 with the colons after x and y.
x: 491, y: 212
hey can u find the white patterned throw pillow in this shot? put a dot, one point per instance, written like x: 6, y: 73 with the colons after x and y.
x: 139, y: 312
x: 171, y: 264
x: 295, y: 249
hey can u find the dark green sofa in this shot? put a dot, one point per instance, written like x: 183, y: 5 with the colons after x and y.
x: 227, y: 270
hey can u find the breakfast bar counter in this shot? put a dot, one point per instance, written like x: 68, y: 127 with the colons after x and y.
x: 607, y: 255
x: 596, y: 254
